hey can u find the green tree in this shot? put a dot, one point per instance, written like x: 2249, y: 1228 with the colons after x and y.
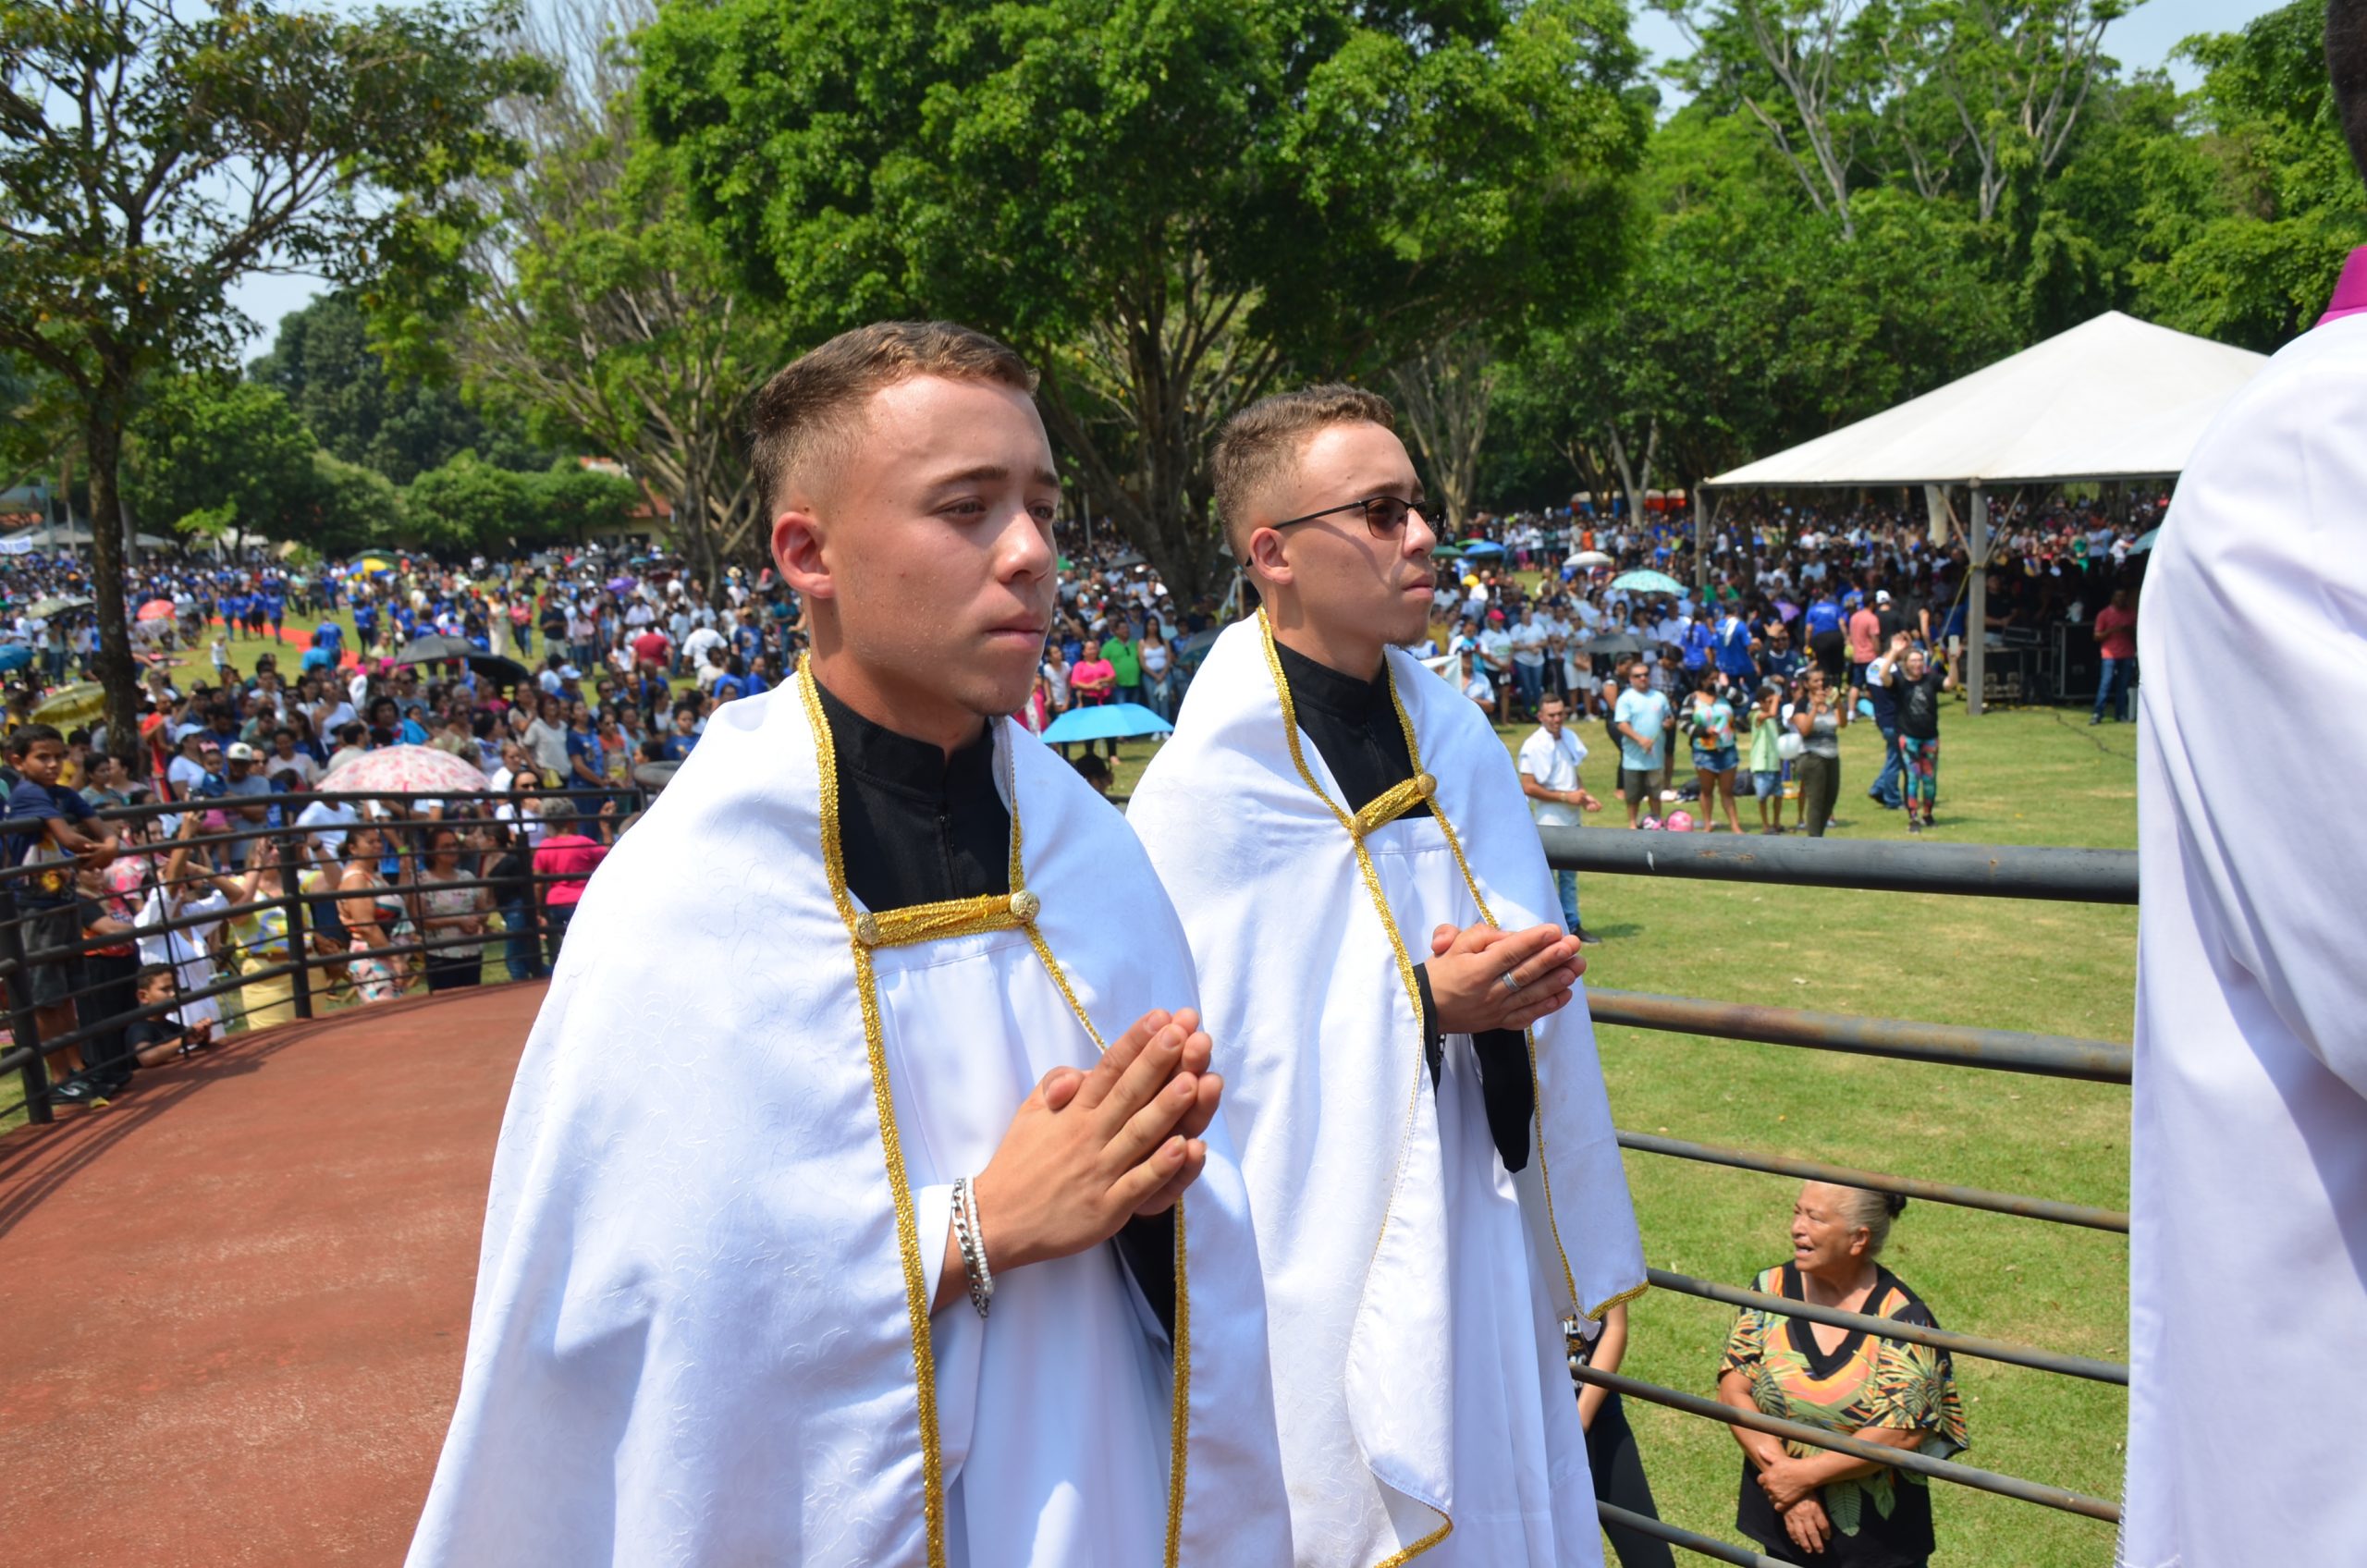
x: 571, y: 502
x: 347, y: 508
x: 1167, y: 207
x: 2251, y: 228
x: 1749, y: 323
x: 466, y: 504
x: 602, y: 312
x: 208, y: 455
x: 339, y: 386
x: 153, y: 153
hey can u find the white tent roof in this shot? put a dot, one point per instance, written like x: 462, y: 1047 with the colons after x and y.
x: 2114, y: 398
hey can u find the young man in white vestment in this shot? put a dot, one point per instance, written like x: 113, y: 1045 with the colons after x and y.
x: 1432, y: 1172
x: 2247, y: 1156
x: 798, y: 1250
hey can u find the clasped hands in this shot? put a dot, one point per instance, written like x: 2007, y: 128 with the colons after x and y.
x: 1467, y: 970
x: 1794, y: 1494
x: 1089, y: 1149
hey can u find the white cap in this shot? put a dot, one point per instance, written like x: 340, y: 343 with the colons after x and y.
x: 239, y: 750
x: 1881, y: 595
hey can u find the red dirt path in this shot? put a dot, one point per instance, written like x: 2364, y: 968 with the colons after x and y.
x: 236, y: 1301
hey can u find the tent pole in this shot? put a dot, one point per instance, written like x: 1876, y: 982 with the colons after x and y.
x: 1976, y: 615
x: 1700, y: 543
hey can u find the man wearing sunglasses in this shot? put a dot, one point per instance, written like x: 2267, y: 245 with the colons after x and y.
x: 1433, y: 1177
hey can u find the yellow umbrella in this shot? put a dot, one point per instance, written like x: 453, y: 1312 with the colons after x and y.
x: 375, y: 563
x: 77, y: 704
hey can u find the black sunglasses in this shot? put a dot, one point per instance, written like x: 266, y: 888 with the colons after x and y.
x: 1384, y: 515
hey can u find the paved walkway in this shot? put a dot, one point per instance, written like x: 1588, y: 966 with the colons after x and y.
x: 236, y: 1301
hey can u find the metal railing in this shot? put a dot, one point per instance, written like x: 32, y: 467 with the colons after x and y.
x: 275, y: 927
x: 2104, y: 876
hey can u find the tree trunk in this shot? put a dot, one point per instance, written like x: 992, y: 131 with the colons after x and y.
x: 1445, y: 391
x: 103, y: 443
x: 1633, y: 478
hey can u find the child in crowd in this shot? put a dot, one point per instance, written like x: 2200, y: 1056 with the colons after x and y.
x: 155, y: 1041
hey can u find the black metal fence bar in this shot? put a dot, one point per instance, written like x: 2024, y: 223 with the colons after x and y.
x: 1707, y: 1546
x: 1892, y: 1329
x: 2003, y: 1050
x: 1907, y: 1186
x: 1994, y: 871
x: 1857, y: 1447
x: 232, y: 982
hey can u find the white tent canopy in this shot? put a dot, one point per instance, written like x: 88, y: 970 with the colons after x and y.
x: 2114, y: 398
x: 72, y: 535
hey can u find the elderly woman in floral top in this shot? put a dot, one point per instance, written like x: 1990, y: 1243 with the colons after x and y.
x: 1811, y: 1505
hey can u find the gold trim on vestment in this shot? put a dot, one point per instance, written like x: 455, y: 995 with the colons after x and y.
x: 1536, y: 1089
x: 1355, y: 825
x: 1017, y: 911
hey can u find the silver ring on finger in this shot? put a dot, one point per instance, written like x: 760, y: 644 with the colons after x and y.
x: 1509, y: 983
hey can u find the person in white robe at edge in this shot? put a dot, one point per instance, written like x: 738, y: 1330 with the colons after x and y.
x: 1433, y: 1170
x: 2248, y: 1157
x: 797, y: 1244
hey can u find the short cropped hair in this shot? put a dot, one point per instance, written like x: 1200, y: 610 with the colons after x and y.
x: 2347, y: 67
x: 807, y: 414
x: 26, y: 736
x: 1262, y: 442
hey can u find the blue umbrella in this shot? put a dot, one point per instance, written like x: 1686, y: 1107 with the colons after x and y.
x: 1110, y: 721
x: 15, y: 655
x: 2144, y: 542
x: 1482, y: 547
x: 1647, y: 582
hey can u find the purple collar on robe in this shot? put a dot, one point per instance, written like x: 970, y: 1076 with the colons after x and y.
x: 2350, y: 292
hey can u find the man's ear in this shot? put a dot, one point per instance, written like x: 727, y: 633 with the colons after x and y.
x: 797, y: 551
x: 1270, y: 555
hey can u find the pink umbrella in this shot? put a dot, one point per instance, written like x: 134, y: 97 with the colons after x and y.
x: 423, y: 769
x: 157, y: 609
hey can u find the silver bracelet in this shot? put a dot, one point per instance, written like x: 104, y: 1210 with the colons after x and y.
x: 971, y: 1238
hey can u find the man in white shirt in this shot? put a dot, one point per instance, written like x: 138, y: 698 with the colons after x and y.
x: 1549, y: 777
x: 1529, y: 659
x: 695, y: 647
x: 1496, y: 662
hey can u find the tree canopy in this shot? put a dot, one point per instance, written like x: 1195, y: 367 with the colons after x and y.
x: 1167, y: 206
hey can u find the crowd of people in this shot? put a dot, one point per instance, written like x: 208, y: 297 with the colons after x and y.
x: 1808, y: 624
x: 559, y: 677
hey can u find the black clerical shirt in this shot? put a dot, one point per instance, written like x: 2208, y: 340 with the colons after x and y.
x: 917, y: 827
x: 1354, y: 724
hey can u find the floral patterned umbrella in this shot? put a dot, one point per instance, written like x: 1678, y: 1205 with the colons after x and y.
x: 422, y: 768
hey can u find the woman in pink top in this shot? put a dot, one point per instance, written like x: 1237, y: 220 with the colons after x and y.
x: 1093, y: 678
x: 564, y: 862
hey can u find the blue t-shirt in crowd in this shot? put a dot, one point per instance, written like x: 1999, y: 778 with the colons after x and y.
x: 585, y: 744
x: 1647, y: 714
x: 1823, y: 615
x: 54, y: 884
x: 1734, y: 645
x: 677, y: 747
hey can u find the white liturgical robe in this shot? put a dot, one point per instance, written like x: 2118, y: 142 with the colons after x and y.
x: 1417, y: 1291
x: 2247, y: 1240
x: 702, y: 1332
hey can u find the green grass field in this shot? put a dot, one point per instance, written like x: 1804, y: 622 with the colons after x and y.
x: 2026, y: 777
